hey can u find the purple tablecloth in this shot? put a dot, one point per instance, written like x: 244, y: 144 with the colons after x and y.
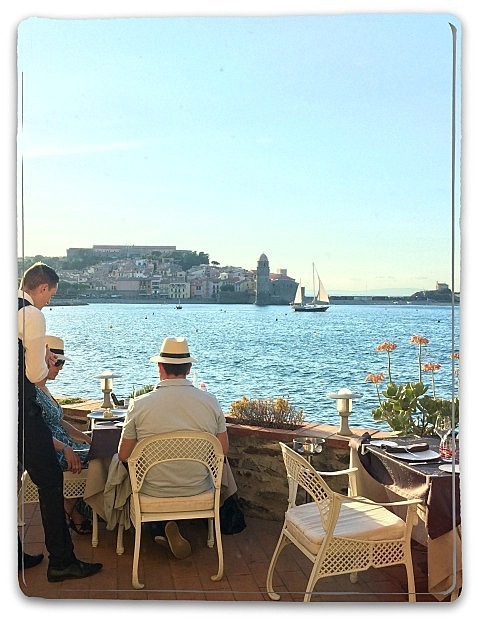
x: 104, y: 441
x: 427, y: 482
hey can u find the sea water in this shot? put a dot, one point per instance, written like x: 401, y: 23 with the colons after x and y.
x: 258, y: 352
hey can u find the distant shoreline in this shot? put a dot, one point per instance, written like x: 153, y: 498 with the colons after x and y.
x: 333, y: 301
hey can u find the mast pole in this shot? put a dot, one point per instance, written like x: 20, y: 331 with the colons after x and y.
x: 313, y: 283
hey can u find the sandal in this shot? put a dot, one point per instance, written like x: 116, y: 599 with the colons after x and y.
x: 82, y: 528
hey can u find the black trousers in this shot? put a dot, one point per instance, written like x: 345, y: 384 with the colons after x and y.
x: 37, y: 455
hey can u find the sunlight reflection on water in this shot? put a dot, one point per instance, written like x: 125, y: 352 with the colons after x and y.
x: 254, y: 351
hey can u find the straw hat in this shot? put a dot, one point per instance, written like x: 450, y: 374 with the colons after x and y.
x: 174, y: 351
x: 56, y: 345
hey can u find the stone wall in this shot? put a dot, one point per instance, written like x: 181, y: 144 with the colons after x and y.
x: 259, y: 470
x: 256, y: 460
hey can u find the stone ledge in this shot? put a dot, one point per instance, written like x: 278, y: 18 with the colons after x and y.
x: 78, y: 412
x: 329, y: 432
x: 256, y: 459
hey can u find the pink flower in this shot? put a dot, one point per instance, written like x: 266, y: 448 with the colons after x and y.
x: 375, y: 377
x: 386, y: 346
x: 419, y: 340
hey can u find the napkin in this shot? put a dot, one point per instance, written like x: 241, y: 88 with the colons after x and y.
x: 402, y: 449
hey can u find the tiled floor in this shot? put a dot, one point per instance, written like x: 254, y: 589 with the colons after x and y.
x: 246, y: 560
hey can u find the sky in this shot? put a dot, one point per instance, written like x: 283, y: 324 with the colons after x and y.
x: 319, y: 139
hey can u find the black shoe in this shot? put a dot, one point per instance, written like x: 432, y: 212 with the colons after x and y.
x: 30, y: 560
x: 77, y: 569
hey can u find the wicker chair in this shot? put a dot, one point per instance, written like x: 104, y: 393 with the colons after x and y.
x: 341, y: 534
x: 182, y: 445
x: 73, y: 486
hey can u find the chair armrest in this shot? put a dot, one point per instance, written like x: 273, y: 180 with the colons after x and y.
x: 405, y: 502
x: 336, y: 473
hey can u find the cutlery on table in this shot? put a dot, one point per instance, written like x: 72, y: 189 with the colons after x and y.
x: 415, y: 464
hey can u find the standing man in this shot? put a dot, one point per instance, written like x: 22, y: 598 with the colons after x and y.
x: 175, y: 404
x: 36, y: 452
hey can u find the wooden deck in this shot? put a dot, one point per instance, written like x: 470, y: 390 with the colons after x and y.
x: 246, y: 560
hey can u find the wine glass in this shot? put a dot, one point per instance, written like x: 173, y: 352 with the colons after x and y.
x: 443, y: 429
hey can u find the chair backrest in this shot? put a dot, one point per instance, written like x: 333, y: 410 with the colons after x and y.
x: 301, y: 473
x: 73, y: 486
x: 173, y: 446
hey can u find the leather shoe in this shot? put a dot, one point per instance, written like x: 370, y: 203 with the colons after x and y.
x: 30, y: 560
x: 77, y: 569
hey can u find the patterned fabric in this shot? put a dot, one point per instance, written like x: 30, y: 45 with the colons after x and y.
x: 52, y: 415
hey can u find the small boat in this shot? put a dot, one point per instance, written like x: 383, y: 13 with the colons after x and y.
x: 179, y: 306
x: 320, y: 301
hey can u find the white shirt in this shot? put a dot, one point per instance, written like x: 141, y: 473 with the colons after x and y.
x: 31, y: 331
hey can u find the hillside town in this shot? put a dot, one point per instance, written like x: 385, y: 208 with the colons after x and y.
x: 165, y: 274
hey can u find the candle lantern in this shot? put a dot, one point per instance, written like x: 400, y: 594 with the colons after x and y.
x: 344, y: 398
x: 107, y: 378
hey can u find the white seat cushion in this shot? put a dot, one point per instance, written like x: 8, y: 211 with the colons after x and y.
x: 202, y: 501
x: 359, y: 521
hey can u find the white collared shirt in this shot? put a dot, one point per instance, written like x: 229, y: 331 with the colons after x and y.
x: 31, y: 331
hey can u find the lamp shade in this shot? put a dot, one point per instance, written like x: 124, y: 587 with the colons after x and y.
x: 344, y: 393
x: 344, y: 398
x: 106, y: 377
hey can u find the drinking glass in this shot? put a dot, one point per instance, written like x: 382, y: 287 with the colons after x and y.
x: 443, y: 427
x: 448, y: 449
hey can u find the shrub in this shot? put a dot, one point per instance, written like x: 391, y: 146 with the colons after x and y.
x: 64, y: 401
x: 279, y: 413
x: 141, y: 391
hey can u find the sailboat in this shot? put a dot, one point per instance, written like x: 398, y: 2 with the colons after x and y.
x: 320, y: 301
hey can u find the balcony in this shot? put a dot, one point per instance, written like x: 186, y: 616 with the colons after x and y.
x: 246, y: 560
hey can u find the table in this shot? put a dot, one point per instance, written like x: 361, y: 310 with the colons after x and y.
x: 97, y: 416
x: 383, y: 477
x: 105, y: 439
x: 107, y: 487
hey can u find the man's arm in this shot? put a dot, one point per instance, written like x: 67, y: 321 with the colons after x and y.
x: 31, y: 330
x: 224, y: 440
x: 126, y: 447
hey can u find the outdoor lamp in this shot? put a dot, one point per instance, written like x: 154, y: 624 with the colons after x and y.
x: 106, y: 387
x: 344, y: 407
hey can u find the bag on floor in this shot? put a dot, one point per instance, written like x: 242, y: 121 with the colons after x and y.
x: 231, y: 516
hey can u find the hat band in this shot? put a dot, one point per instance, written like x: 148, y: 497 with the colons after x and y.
x: 174, y: 355
x: 58, y: 351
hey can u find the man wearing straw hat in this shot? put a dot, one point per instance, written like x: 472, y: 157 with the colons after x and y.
x: 175, y: 404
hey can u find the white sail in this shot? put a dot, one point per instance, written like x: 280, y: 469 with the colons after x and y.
x: 298, y: 294
x: 320, y: 301
x: 322, y: 296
